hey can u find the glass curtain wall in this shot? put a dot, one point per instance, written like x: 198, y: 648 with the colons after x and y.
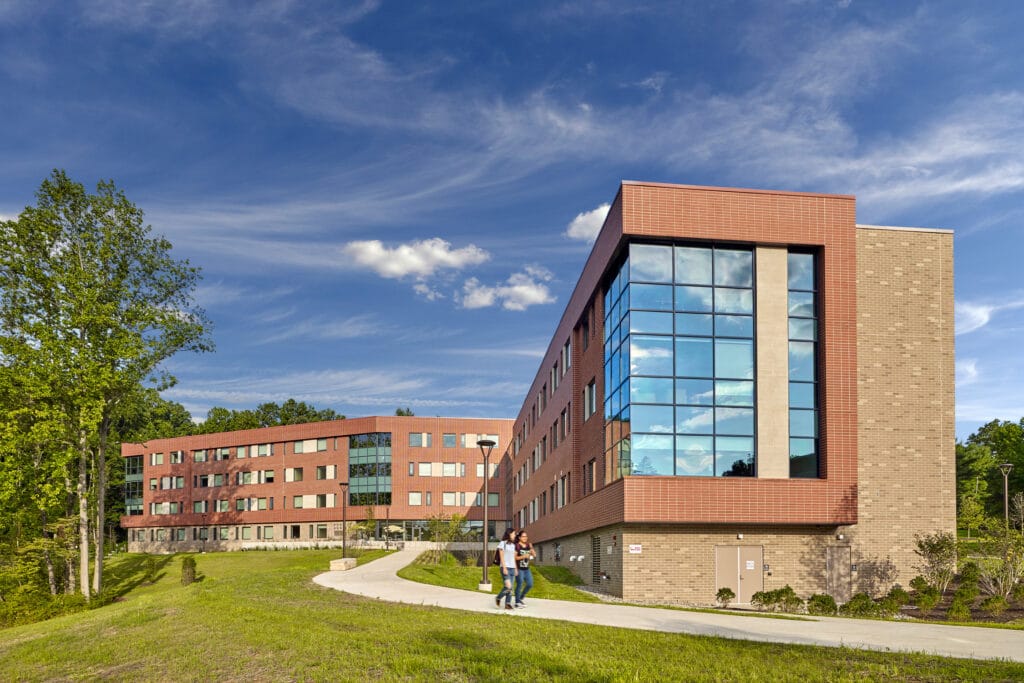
x: 803, y: 353
x: 679, y: 362
x: 369, y: 469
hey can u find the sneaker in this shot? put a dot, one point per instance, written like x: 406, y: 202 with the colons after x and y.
x: 520, y: 604
x: 508, y: 607
x: 497, y: 602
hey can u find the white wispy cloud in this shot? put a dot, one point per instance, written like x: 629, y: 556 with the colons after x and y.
x: 323, y: 328
x: 427, y: 292
x: 587, y: 224
x: 519, y: 292
x: 974, y: 316
x: 966, y: 371
x: 421, y: 258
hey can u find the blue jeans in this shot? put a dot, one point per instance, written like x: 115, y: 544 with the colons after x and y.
x: 524, y: 582
x: 506, y: 588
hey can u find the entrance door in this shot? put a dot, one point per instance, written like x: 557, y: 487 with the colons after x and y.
x: 739, y: 567
x: 837, y: 565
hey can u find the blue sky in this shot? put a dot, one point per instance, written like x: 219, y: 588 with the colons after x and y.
x: 391, y: 202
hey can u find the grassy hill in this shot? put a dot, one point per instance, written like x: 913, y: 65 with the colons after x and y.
x: 257, y: 616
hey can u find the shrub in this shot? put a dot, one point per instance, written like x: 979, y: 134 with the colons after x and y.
x: 938, y: 557
x: 994, y: 605
x: 188, y: 570
x: 958, y: 611
x: 900, y: 596
x: 920, y: 584
x: 1017, y: 594
x: 821, y: 605
x: 888, y: 606
x: 724, y: 596
x: 783, y: 599
x: 860, y: 605
x: 966, y: 592
x: 969, y: 573
x: 926, y: 600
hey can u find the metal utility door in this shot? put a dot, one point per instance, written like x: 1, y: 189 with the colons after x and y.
x: 840, y: 580
x: 739, y: 567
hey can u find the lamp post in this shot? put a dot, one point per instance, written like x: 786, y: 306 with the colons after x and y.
x: 486, y: 446
x: 344, y: 517
x: 1005, y: 469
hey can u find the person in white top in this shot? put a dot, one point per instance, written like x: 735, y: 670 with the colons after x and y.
x: 507, y: 551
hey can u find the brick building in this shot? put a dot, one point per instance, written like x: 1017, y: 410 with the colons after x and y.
x: 746, y: 390
x: 279, y: 486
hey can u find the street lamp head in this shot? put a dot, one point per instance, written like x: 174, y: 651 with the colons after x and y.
x: 1005, y: 468
x: 486, y: 446
x: 343, y: 484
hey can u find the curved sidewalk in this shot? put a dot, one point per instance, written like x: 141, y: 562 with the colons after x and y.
x: 378, y: 579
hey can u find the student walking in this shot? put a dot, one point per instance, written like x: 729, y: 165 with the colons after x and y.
x: 524, y: 577
x: 507, y: 551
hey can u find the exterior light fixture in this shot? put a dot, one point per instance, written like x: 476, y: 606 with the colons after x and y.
x: 486, y: 446
x: 840, y: 537
x: 1005, y: 469
x: 739, y: 537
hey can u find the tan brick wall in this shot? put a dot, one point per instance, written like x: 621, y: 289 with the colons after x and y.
x: 905, y: 389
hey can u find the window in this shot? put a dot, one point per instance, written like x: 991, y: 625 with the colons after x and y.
x: 589, y: 477
x: 241, y: 451
x: 448, y: 469
x: 297, y: 502
x: 156, y: 458
x: 424, y: 469
x: 321, y: 531
x: 200, y: 506
x: 221, y: 453
x: 325, y: 472
x: 428, y: 498
x: 152, y: 484
x: 293, y: 474
x: 803, y: 351
x: 246, y: 533
x: 469, y: 440
x: 177, y: 457
x: 415, y: 498
x: 221, y: 506
x: 420, y: 440
x: 590, y: 400
x: 448, y: 499
x: 268, y: 533
x: 412, y: 469
x: 492, y: 500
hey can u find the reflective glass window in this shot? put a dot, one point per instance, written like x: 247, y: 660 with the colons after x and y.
x: 647, y: 321
x: 650, y: 390
x: 734, y: 301
x: 693, y: 265
x: 656, y: 297
x: 801, y: 271
x: 734, y: 326
x: 695, y: 456
x: 801, y: 361
x: 698, y: 324
x: 645, y: 418
x: 650, y: 263
x: 734, y: 268
x: 803, y: 458
x: 695, y: 392
x: 801, y: 304
x: 802, y: 328
x: 650, y: 355
x: 734, y: 456
x: 803, y: 423
x: 734, y: 358
x: 699, y: 299
x: 801, y: 395
x: 737, y: 421
x: 695, y: 420
x: 734, y: 393
x: 652, y: 454
x: 693, y: 357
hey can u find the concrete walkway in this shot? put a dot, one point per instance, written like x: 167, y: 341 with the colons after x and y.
x: 377, y: 579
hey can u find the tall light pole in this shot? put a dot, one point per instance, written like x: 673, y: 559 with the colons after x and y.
x: 486, y: 446
x: 344, y: 517
x: 1005, y: 469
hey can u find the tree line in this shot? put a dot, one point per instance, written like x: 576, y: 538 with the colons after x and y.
x: 979, y: 480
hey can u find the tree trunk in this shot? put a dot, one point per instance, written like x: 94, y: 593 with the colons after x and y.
x: 50, y: 575
x: 83, y: 514
x: 100, y: 489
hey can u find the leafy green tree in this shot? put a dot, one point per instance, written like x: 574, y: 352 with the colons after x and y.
x: 404, y: 412
x: 91, y: 304
x: 291, y: 412
x: 1005, y: 442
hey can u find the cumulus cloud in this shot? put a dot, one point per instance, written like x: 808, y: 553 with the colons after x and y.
x: 420, y: 258
x: 519, y: 292
x: 427, y: 292
x: 586, y: 225
x: 971, y: 316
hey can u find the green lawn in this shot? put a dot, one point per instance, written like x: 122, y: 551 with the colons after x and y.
x: 555, y: 583
x: 257, y: 616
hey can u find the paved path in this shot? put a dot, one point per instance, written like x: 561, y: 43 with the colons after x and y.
x: 377, y: 579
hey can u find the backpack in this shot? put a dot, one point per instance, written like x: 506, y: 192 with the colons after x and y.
x: 497, y: 556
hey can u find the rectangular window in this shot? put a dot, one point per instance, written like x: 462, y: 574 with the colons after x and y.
x: 448, y: 499
x: 246, y: 533
x: 293, y: 474
x: 415, y: 498
x: 590, y: 400
x: 321, y: 531
x: 268, y: 533
x: 424, y: 469
x: 421, y: 439
x: 448, y: 440
x: 156, y: 458
x: 492, y: 500
x: 221, y: 506
x: 177, y: 457
x: 412, y: 469
x: 241, y: 451
x: 297, y: 502
x: 448, y: 469
x: 428, y: 503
